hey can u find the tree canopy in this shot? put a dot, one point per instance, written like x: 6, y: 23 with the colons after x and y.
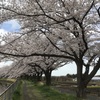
x: 69, y: 27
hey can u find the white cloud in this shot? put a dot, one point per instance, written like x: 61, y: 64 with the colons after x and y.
x: 14, y: 25
x: 4, y: 64
x: 3, y: 32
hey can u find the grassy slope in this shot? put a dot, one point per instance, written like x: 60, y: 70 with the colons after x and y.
x: 38, y: 92
x: 8, y: 80
x: 18, y: 93
x: 50, y: 94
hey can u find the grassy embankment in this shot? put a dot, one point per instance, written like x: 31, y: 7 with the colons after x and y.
x: 51, y: 94
x: 18, y: 92
x: 8, y: 80
x: 41, y: 92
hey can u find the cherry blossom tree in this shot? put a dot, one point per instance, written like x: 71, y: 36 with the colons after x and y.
x: 47, y: 65
x: 39, y: 65
x: 71, y: 26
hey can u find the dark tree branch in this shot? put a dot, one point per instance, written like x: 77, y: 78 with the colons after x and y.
x: 36, y: 65
x: 98, y: 10
x: 63, y: 3
x: 22, y: 14
x: 18, y: 38
x: 82, y: 52
x: 37, y: 54
x: 85, y: 75
x: 87, y: 11
x: 96, y: 68
x: 56, y: 46
x: 36, y: 15
x: 91, y: 59
x: 52, y: 17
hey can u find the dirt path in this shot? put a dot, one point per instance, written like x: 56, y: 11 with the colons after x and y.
x: 29, y: 93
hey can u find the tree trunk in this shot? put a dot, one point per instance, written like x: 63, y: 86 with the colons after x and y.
x: 39, y: 77
x: 82, y: 80
x: 34, y: 77
x: 81, y: 87
x: 81, y: 91
x: 48, y: 77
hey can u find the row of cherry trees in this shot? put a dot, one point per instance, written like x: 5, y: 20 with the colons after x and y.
x: 32, y: 66
x: 56, y: 32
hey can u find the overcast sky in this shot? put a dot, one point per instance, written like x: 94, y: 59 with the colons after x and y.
x: 67, y: 69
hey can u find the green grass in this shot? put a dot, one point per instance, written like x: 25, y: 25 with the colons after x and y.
x: 49, y: 93
x: 18, y: 92
x: 33, y: 92
x: 93, y: 87
x: 41, y: 92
